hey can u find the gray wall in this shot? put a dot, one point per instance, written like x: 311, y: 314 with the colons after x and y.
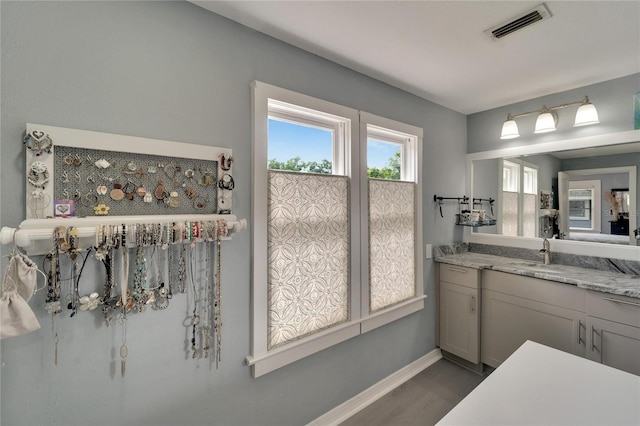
x: 173, y: 71
x: 613, y: 99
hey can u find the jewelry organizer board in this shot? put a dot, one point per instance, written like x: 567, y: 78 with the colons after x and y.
x: 121, y: 145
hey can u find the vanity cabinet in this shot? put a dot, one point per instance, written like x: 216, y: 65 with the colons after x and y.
x: 613, y: 331
x: 460, y: 312
x: 517, y: 308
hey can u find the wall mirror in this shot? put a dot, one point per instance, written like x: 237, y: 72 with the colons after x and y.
x: 582, y: 191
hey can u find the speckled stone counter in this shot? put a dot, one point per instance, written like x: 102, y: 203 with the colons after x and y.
x: 590, y: 279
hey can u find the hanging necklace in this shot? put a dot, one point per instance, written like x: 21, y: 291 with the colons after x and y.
x: 217, y: 304
x: 139, y: 281
x: 124, y: 351
x: 109, y: 265
x: 161, y: 292
x: 124, y: 282
x: 182, y: 270
x: 195, y: 319
x: 54, y: 291
x: 206, y: 310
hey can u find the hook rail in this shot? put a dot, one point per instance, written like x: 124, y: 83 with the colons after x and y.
x: 34, y: 235
x: 461, y: 200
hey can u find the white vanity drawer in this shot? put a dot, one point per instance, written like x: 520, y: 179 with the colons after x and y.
x: 461, y: 275
x: 621, y: 309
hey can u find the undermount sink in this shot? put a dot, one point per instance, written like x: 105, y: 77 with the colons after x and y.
x: 526, y: 264
x: 535, y: 266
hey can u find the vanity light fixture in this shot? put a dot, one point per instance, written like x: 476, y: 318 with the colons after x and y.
x: 548, y: 118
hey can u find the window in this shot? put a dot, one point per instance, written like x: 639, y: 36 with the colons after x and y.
x: 391, y: 206
x: 323, y: 231
x: 308, y: 247
x: 519, y: 198
x: 584, y: 205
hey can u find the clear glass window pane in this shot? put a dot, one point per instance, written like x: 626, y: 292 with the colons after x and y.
x: 384, y: 159
x: 530, y: 181
x: 298, y: 147
x: 510, y: 176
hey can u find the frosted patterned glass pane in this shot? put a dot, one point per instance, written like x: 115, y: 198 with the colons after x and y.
x: 391, y: 243
x: 510, y: 213
x: 529, y: 216
x: 308, y: 254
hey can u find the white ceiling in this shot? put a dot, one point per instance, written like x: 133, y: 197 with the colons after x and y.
x: 438, y: 51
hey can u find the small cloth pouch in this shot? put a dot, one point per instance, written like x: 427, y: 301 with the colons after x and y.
x: 26, y: 276
x: 16, y: 317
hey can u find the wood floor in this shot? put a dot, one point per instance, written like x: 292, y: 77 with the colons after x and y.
x: 423, y: 400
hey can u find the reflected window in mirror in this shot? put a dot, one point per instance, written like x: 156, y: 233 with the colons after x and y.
x: 519, y: 198
x: 583, y: 205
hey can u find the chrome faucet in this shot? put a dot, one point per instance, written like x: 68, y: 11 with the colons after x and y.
x: 546, y: 251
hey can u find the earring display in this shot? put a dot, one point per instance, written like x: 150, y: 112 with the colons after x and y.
x: 128, y: 177
x: 134, y: 168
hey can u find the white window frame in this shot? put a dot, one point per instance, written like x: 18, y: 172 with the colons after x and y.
x: 297, y: 115
x: 407, y: 142
x: 410, y: 138
x: 352, y: 164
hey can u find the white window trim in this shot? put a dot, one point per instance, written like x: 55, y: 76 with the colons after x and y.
x: 320, y: 120
x: 411, y: 171
x: 261, y: 360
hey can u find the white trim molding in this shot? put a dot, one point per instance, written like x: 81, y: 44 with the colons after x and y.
x: 370, y: 395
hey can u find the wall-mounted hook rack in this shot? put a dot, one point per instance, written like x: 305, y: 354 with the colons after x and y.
x: 440, y: 200
x: 479, y: 201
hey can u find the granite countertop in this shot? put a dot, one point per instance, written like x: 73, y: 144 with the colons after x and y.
x: 590, y: 279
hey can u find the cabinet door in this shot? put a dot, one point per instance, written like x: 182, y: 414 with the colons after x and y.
x: 508, y: 321
x: 613, y: 344
x: 459, y: 321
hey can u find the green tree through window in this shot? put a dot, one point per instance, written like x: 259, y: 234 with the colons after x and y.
x: 391, y: 170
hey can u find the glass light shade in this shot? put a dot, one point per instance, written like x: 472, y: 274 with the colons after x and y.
x: 545, y: 122
x: 509, y: 130
x: 586, y: 114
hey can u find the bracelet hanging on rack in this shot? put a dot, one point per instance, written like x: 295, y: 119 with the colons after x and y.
x: 37, y: 142
x: 38, y: 175
x: 225, y: 162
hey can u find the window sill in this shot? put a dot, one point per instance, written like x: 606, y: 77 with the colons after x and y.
x: 392, y: 313
x: 279, y: 357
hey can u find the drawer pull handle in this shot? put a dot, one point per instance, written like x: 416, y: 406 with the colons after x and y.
x: 593, y: 341
x: 473, y: 303
x: 464, y: 271
x: 624, y: 302
x: 580, y: 326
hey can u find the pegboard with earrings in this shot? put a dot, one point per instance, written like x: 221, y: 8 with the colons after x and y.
x: 68, y: 177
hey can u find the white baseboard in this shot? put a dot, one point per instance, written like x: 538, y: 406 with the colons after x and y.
x: 368, y: 396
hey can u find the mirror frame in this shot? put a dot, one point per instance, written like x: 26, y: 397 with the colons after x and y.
x: 529, y: 147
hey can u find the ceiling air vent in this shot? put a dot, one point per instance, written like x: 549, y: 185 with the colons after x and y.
x: 537, y: 14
